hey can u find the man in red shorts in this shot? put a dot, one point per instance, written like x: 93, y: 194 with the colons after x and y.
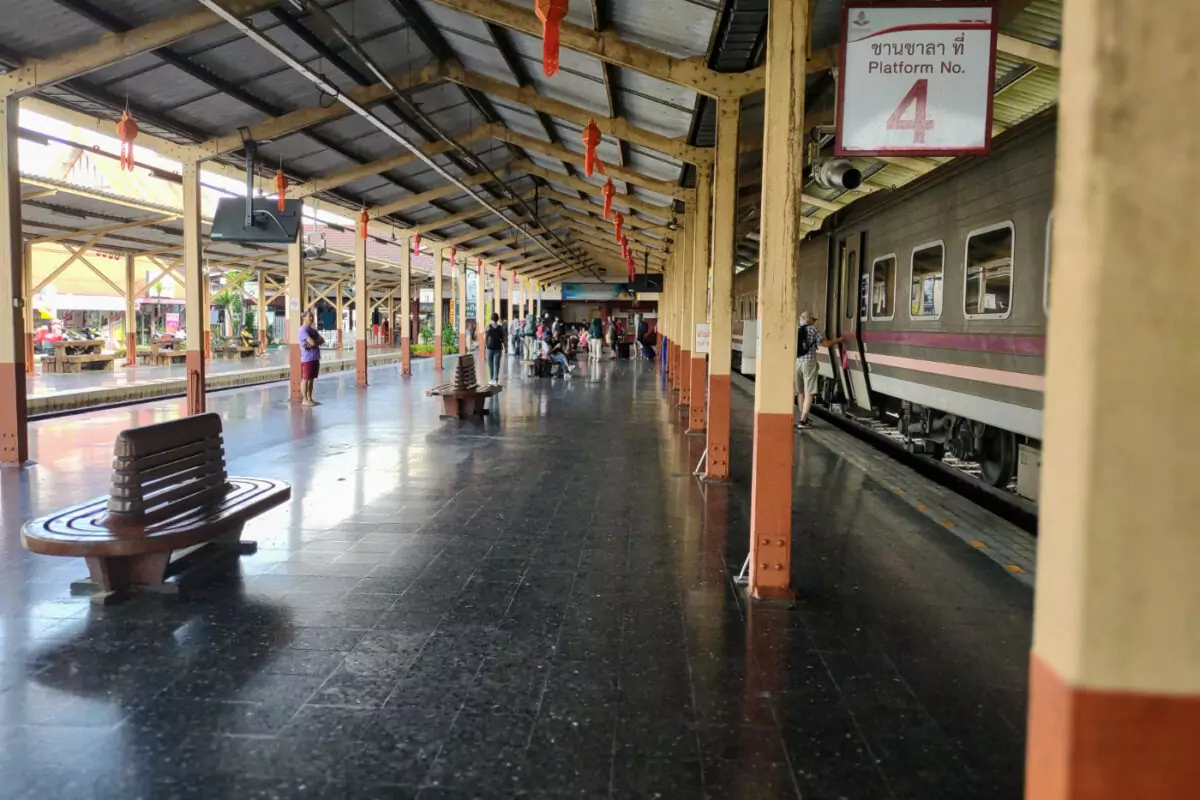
x: 310, y: 358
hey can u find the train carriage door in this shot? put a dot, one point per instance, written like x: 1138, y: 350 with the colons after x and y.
x: 837, y: 318
x: 857, y: 288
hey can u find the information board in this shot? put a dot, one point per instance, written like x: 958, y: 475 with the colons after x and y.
x: 703, y: 337
x: 916, y: 79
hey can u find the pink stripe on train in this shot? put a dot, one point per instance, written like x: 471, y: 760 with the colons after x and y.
x: 987, y: 342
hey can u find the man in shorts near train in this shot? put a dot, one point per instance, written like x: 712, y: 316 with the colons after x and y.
x: 310, y: 358
x: 808, y: 371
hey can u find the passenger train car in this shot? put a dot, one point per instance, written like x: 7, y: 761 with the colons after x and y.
x: 941, y: 290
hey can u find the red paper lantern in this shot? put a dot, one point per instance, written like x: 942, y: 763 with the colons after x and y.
x: 363, y: 219
x: 591, y: 141
x: 618, y: 226
x: 416, y: 244
x: 607, y: 191
x: 551, y: 13
x: 281, y: 185
x: 127, y: 131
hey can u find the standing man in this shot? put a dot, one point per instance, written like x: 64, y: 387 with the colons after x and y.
x: 808, y: 372
x: 495, y: 343
x: 530, y: 335
x: 595, y: 340
x: 310, y: 358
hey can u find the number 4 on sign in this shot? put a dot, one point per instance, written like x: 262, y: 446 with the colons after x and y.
x: 918, y: 99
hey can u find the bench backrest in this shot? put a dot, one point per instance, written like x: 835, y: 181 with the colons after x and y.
x: 167, y: 468
x: 464, y: 373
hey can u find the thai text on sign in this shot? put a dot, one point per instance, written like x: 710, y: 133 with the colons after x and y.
x: 916, y: 80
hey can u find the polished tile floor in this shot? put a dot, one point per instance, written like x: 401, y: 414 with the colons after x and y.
x: 539, y: 605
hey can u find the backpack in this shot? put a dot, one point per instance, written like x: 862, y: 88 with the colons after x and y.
x: 802, y: 341
x: 495, y: 337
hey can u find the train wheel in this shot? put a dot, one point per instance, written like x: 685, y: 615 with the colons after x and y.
x: 998, y: 456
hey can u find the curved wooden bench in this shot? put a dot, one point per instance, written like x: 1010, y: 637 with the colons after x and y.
x: 170, y: 494
x: 464, y: 397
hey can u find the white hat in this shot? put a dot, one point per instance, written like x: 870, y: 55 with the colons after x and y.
x: 803, y: 317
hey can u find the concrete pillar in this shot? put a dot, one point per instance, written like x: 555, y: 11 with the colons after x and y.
x: 130, y: 310
x: 261, y: 308
x: 721, y: 315
x: 480, y: 296
x: 195, y: 289
x: 1114, y: 698
x: 513, y: 311
x: 667, y: 311
x: 405, y: 309
x: 687, y: 332
x: 439, y: 258
x: 362, y: 312
x: 27, y: 304
x: 338, y: 310
x: 499, y: 292
x: 206, y: 308
x: 14, y: 420
x: 295, y: 305
x: 701, y: 230
x: 461, y: 274
x: 783, y: 150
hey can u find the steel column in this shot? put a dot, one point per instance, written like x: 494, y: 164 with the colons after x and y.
x: 14, y: 421
x: 721, y: 316
x: 195, y: 289
x: 687, y: 333
x: 461, y: 273
x: 784, y: 151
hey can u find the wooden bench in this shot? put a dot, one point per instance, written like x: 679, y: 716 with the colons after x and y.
x: 464, y: 397
x: 233, y: 348
x: 165, y: 351
x: 76, y: 356
x: 169, y: 493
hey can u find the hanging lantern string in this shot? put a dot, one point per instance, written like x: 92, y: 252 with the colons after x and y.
x: 363, y: 219
x: 551, y: 13
x: 127, y: 131
x: 607, y: 191
x: 281, y: 185
x: 591, y: 141
x: 619, y: 226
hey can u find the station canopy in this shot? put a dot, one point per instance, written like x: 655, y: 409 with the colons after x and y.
x: 463, y: 82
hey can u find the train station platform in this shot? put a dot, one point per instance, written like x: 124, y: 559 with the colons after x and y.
x: 61, y: 392
x: 538, y: 605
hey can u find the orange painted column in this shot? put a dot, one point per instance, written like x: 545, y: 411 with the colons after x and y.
x: 702, y: 221
x: 362, y: 312
x: 338, y: 311
x: 725, y: 180
x: 439, y: 260
x: 1114, y: 685
x: 405, y: 309
x: 461, y: 273
x: 14, y: 420
x: 294, y: 306
x: 687, y: 328
x: 195, y: 290
x: 480, y: 297
x: 783, y: 150
x: 27, y: 309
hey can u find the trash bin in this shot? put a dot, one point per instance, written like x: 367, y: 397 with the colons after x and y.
x: 623, y: 349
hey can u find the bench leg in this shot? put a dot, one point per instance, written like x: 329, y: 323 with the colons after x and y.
x: 114, y: 579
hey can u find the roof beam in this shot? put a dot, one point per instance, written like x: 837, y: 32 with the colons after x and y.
x: 478, y: 233
x: 318, y: 185
x: 603, y: 227
x: 588, y: 207
x: 294, y: 121
x: 615, y: 127
x: 662, y: 212
x: 665, y: 188
x: 607, y: 46
x: 1028, y: 52
x: 422, y: 198
x: 596, y: 239
x: 114, y: 47
x: 445, y: 222
x: 139, y: 223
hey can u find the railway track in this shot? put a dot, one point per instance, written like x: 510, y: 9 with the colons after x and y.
x: 961, y: 476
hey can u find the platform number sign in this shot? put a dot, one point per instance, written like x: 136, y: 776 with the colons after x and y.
x: 916, y: 79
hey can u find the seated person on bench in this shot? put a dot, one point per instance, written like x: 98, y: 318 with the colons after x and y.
x: 553, y: 350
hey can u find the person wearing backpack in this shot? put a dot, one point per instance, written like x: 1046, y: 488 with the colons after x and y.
x: 496, y: 342
x: 808, y: 339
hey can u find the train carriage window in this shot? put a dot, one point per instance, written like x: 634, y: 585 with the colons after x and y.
x: 1049, y: 253
x: 883, y: 287
x: 987, y: 290
x: 928, y: 272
